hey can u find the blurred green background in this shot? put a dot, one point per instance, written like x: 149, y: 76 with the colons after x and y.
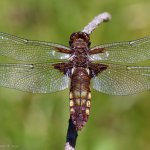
x: 39, y: 121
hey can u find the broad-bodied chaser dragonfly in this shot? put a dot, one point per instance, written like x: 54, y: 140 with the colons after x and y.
x: 46, y: 67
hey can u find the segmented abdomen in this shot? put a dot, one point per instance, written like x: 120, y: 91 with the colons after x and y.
x: 80, y: 97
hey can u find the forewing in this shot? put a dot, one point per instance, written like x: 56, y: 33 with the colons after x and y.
x: 122, y: 80
x: 124, y: 52
x: 31, y: 51
x: 36, y: 78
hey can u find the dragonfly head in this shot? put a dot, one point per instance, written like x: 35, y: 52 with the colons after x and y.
x: 79, y: 40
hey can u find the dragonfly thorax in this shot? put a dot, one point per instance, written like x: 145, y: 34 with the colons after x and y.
x: 79, y: 43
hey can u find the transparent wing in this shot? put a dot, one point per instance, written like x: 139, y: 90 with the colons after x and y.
x: 30, y: 51
x: 124, y: 52
x: 122, y: 80
x: 36, y: 78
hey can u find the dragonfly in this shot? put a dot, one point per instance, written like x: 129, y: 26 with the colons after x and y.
x: 44, y: 67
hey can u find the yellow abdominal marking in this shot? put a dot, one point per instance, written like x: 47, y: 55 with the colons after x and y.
x: 83, y: 102
x: 77, y: 94
x: 88, y: 104
x: 71, y: 103
x: 89, y: 95
x: 87, y: 111
x: 72, y: 111
x: 83, y: 94
x: 78, y: 102
x: 71, y: 95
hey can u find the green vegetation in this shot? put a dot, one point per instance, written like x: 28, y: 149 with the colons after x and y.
x: 39, y: 121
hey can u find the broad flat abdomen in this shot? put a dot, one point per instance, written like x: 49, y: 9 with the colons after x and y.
x: 80, y: 97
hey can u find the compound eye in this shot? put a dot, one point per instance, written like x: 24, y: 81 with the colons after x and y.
x: 73, y: 36
x: 86, y: 36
